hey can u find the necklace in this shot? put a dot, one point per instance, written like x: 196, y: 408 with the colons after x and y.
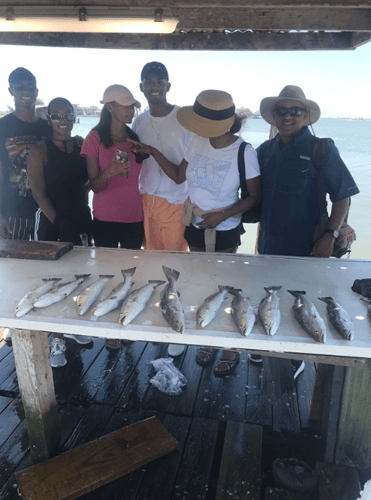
x: 158, y: 133
x: 65, y: 143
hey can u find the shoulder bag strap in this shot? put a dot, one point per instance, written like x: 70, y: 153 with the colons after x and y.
x: 241, y: 169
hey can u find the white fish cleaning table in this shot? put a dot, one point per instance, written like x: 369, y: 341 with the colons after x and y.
x: 200, y: 275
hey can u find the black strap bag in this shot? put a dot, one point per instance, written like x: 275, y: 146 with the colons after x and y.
x: 347, y: 234
x: 253, y: 215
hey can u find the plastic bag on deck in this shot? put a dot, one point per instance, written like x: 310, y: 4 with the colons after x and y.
x: 168, y: 378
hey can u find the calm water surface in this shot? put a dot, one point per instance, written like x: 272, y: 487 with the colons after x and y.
x: 353, y: 141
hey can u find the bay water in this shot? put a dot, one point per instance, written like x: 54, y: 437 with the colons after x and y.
x: 352, y: 138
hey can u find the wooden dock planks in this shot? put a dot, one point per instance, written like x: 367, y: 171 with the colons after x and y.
x: 84, y: 469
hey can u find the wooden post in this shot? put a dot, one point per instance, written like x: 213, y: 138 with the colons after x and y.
x: 36, y: 385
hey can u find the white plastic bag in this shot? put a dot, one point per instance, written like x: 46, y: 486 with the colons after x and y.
x: 168, y: 378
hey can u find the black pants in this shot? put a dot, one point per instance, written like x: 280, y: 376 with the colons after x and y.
x: 109, y: 234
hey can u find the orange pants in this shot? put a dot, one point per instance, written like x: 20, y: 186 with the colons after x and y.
x: 163, y: 229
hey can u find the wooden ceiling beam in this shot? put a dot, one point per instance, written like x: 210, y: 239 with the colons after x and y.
x: 284, y: 4
x: 193, y: 41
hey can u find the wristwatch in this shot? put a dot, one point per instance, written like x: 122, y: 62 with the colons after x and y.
x: 334, y: 232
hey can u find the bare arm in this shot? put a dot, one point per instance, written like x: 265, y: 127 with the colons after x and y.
x: 213, y: 219
x: 325, y: 245
x: 36, y: 162
x: 175, y: 172
x: 4, y: 224
x: 98, y: 179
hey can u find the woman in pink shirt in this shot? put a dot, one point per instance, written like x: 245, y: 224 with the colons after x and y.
x: 117, y: 205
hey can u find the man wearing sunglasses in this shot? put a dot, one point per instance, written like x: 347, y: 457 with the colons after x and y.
x: 290, y: 206
x: 18, y: 131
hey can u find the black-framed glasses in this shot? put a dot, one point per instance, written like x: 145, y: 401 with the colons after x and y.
x: 57, y: 117
x: 293, y: 111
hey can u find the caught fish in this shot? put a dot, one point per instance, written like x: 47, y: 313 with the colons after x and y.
x: 308, y: 316
x: 242, y: 313
x: 365, y: 299
x: 90, y: 294
x: 60, y: 292
x: 118, y: 294
x: 26, y: 303
x: 269, y: 310
x: 170, y: 304
x: 136, y: 302
x: 339, y: 318
x: 211, y: 305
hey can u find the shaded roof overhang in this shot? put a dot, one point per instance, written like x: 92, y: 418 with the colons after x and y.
x: 224, y: 25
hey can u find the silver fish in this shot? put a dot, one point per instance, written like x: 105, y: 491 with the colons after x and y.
x: 90, y: 294
x: 242, y: 313
x: 118, y: 294
x: 170, y: 304
x: 308, y: 316
x: 26, y: 303
x: 365, y: 299
x: 211, y: 305
x: 339, y: 318
x: 269, y: 311
x: 60, y: 292
x: 136, y: 302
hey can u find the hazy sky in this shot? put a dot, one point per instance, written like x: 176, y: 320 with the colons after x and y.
x: 339, y: 81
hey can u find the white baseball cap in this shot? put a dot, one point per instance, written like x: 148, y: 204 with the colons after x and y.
x: 120, y: 94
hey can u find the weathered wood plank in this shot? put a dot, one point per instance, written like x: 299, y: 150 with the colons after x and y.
x: 193, y: 478
x: 10, y: 419
x: 240, y: 470
x: 283, y: 4
x: 237, y: 41
x: 4, y: 402
x: 12, y: 452
x: 258, y: 406
x: 86, y: 468
x: 8, y: 376
x: 354, y: 430
x: 31, y: 354
x: 337, y: 482
x: 304, y: 389
x: 281, y: 494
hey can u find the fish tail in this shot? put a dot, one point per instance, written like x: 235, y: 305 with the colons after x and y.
x: 225, y: 287
x: 170, y: 273
x: 328, y: 300
x: 235, y: 291
x: 78, y: 276
x: 128, y: 272
x: 51, y: 279
x: 158, y: 282
x: 297, y: 293
x: 272, y: 288
x: 106, y: 275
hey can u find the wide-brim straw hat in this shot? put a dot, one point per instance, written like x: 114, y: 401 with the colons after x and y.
x: 290, y: 92
x: 211, y: 115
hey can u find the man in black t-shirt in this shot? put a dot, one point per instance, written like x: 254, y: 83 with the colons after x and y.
x: 18, y: 131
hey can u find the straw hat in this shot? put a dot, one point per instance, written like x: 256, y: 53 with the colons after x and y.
x: 211, y: 115
x: 120, y: 94
x: 290, y: 92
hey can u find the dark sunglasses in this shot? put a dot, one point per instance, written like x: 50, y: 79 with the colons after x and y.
x: 294, y: 111
x: 57, y: 117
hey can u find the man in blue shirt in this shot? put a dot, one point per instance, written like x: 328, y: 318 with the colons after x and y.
x: 290, y: 206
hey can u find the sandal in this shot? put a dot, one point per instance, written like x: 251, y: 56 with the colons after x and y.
x: 230, y: 363
x: 113, y: 344
x: 209, y: 355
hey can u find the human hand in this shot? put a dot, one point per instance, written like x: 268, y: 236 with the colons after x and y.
x: 118, y: 167
x: 211, y: 220
x: 324, y: 246
x: 139, y: 147
x: 4, y: 228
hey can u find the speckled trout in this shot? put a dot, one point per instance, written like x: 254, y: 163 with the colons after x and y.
x: 118, y: 294
x: 26, y: 303
x: 269, y: 310
x: 242, y: 313
x: 60, y: 292
x: 211, y: 305
x: 308, y: 316
x: 339, y: 318
x: 170, y: 304
x: 136, y: 302
x: 91, y: 293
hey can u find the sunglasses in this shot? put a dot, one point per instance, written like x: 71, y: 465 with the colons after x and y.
x: 57, y: 117
x: 294, y: 111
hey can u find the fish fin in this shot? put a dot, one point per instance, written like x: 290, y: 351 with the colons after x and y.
x: 296, y: 293
x: 78, y: 276
x: 159, y: 282
x: 326, y: 299
x: 272, y: 288
x: 171, y: 273
x: 52, y: 279
x: 106, y: 275
x: 128, y: 272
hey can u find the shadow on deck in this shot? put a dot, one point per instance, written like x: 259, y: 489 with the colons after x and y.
x: 214, y: 419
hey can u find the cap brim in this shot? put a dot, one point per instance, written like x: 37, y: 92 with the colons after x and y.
x: 268, y: 104
x: 203, y: 126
